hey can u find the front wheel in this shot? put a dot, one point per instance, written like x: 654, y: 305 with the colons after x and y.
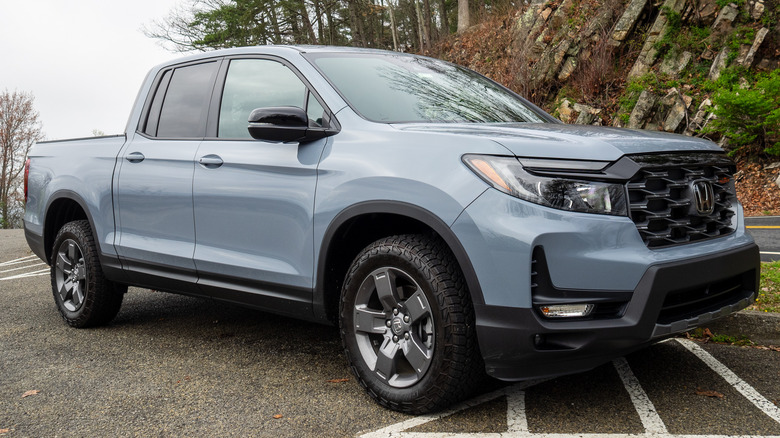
x: 407, y: 324
x: 83, y: 295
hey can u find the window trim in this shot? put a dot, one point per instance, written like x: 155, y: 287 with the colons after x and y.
x: 158, y: 83
x: 212, y: 121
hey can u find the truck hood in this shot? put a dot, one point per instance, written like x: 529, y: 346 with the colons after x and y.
x: 584, y: 142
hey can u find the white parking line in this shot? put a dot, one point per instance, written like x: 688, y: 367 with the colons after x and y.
x: 27, y: 274
x: 517, y: 422
x: 19, y: 260
x: 22, y: 267
x: 740, y: 385
x: 644, y: 407
x: 770, y: 252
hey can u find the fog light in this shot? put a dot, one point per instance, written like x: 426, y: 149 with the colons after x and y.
x: 566, y: 310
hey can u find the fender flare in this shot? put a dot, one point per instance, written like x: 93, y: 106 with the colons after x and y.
x: 397, y: 208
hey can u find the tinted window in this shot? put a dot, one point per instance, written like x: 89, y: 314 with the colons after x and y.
x: 397, y: 88
x: 252, y: 84
x: 154, y: 110
x: 185, y: 107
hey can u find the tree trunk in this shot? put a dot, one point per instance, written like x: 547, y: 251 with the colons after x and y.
x: 277, y: 33
x: 420, y: 30
x: 307, y: 24
x: 427, y: 23
x: 445, y: 22
x: 392, y: 26
x: 463, y: 15
x: 320, y: 25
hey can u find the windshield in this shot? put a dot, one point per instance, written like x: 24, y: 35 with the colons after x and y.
x: 393, y: 88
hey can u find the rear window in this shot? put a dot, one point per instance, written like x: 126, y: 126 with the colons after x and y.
x: 184, y: 103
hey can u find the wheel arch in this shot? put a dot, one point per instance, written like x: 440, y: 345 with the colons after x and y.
x: 357, y: 226
x: 63, y: 207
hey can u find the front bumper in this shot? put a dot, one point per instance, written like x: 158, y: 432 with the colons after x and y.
x: 517, y: 343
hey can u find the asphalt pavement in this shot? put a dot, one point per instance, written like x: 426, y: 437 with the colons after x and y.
x: 174, y: 366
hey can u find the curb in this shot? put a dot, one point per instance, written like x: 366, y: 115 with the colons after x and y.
x: 763, y: 328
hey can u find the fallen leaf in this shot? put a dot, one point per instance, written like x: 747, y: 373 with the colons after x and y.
x: 30, y: 392
x: 338, y: 380
x: 5, y: 430
x: 709, y: 393
x: 278, y: 416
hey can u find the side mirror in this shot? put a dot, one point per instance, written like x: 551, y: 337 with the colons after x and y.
x: 284, y: 124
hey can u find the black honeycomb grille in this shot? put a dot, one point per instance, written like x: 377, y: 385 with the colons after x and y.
x: 662, y: 202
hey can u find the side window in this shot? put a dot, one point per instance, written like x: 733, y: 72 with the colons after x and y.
x: 186, y: 102
x: 153, y: 120
x: 315, y: 111
x: 252, y: 84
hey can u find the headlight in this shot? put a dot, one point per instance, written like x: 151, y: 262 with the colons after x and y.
x: 509, y: 176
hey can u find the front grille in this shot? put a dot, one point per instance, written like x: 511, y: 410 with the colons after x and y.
x: 662, y: 203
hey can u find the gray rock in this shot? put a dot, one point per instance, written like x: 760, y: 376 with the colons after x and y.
x: 588, y: 115
x: 747, y: 61
x: 649, y: 52
x: 568, y: 68
x: 699, y: 120
x: 627, y: 21
x: 675, y: 116
x: 674, y: 65
x: 726, y: 16
x: 718, y: 64
x: 642, y: 109
x: 678, y: 110
x: 565, y: 111
x: 756, y: 9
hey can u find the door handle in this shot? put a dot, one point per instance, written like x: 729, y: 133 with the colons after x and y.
x: 210, y: 161
x: 135, y: 157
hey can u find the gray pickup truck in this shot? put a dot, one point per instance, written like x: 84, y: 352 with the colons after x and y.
x: 448, y: 226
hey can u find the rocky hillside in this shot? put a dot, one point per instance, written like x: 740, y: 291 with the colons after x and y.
x: 640, y: 64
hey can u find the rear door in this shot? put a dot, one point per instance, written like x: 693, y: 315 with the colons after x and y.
x: 155, y: 226
x: 254, y: 200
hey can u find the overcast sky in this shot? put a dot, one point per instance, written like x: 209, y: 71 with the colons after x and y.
x: 83, y: 60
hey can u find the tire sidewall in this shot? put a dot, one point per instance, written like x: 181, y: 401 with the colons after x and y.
x: 407, y: 261
x: 72, y: 231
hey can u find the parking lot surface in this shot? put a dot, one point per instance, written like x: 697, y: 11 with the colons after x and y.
x: 172, y: 365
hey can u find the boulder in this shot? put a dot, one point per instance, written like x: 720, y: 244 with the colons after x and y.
x: 642, y: 109
x: 568, y: 68
x: 755, y: 9
x: 747, y: 59
x: 718, y: 64
x: 726, y: 16
x: 627, y: 21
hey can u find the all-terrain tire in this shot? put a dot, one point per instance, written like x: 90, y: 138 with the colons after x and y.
x: 84, y: 297
x: 407, y: 325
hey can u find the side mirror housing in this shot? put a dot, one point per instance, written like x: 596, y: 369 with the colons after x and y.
x: 284, y: 124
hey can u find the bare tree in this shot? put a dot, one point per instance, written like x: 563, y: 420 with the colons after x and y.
x: 463, y: 15
x: 19, y: 129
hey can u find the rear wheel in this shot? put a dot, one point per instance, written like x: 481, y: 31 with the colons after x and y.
x: 83, y: 295
x: 407, y: 324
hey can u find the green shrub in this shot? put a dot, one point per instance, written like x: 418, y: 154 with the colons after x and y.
x: 749, y: 118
